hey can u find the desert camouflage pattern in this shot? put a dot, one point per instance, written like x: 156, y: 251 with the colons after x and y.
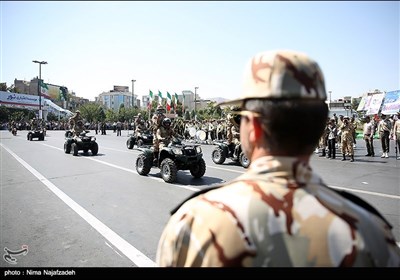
x: 279, y: 213
x: 281, y: 74
x: 347, y: 138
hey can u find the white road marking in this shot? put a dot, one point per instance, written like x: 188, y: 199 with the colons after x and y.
x: 366, y: 192
x: 126, y: 248
x: 226, y: 169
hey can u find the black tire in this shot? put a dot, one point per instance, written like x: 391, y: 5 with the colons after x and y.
x: 67, y: 148
x: 244, y: 161
x: 41, y: 137
x: 139, y: 142
x: 94, y: 148
x: 218, y: 156
x: 74, y: 148
x: 143, y: 165
x: 168, y: 170
x: 199, y: 169
x: 129, y: 144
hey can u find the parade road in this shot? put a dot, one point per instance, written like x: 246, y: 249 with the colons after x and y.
x: 60, y: 210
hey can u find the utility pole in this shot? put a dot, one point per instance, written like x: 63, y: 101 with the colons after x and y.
x: 133, y: 93
x: 195, y: 101
x: 39, y: 81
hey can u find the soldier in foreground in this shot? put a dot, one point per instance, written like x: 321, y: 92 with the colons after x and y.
x: 278, y: 213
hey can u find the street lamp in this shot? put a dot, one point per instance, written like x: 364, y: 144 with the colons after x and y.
x: 39, y: 92
x: 195, y: 100
x: 133, y: 93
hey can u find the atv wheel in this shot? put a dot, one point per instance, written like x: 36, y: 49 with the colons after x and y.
x: 94, y: 148
x: 129, y: 144
x: 218, y: 156
x: 74, y: 148
x: 168, y: 170
x: 143, y: 165
x: 199, y: 169
x: 244, y: 161
x: 41, y: 137
x: 67, y: 148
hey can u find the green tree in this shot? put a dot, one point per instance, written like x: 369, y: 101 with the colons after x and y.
x: 90, y: 111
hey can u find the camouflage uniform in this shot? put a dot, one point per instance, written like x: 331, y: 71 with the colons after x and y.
x: 279, y: 213
x: 347, y: 139
x: 164, y: 136
x: 156, y: 121
x: 77, y: 124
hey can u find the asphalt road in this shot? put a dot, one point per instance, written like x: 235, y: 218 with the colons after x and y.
x: 96, y: 211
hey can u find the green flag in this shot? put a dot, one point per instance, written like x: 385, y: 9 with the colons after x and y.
x: 169, y: 100
x: 159, y: 97
x: 151, y: 95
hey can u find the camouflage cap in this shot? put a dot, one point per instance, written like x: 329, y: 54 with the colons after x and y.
x: 281, y: 74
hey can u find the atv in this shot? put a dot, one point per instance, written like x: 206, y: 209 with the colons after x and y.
x: 81, y: 142
x: 231, y: 151
x: 176, y: 156
x: 139, y: 139
x: 38, y: 133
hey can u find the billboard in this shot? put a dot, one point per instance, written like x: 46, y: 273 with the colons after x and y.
x: 391, y: 104
x: 26, y: 101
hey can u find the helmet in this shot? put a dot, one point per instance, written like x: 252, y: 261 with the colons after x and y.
x: 139, y: 115
x: 77, y: 111
x: 236, y: 119
x: 166, y: 122
x: 160, y: 109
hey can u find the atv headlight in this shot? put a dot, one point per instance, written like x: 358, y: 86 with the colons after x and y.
x: 198, y: 149
x: 177, y: 151
x: 93, y: 139
x: 78, y: 139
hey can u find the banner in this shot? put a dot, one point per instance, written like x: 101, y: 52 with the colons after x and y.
x: 361, y: 105
x: 391, y: 104
x: 18, y: 100
x: 375, y: 104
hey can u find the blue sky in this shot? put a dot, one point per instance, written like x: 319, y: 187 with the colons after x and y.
x: 174, y: 46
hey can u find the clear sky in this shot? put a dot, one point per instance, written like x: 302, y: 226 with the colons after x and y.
x: 178, y: 45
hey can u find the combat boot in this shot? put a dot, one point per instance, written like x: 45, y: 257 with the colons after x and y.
x: 351, y: 158
x: 344, y: 157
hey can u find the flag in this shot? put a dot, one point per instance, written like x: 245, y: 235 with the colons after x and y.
x: 169, y: 99
x: 44, y: 89
x: 176, y: 101
x: 150, y: 99
x: 159, y: 97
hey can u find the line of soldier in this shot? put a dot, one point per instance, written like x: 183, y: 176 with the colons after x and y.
x: 341, y: 133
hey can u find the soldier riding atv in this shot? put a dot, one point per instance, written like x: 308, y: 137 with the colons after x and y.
x: 232, y: 148
x: 78, y: 140
x: 142, y: 136
x: 231, y: 151
x: 171, y: 156
x: 37, y: 130
x: 81, y: 142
